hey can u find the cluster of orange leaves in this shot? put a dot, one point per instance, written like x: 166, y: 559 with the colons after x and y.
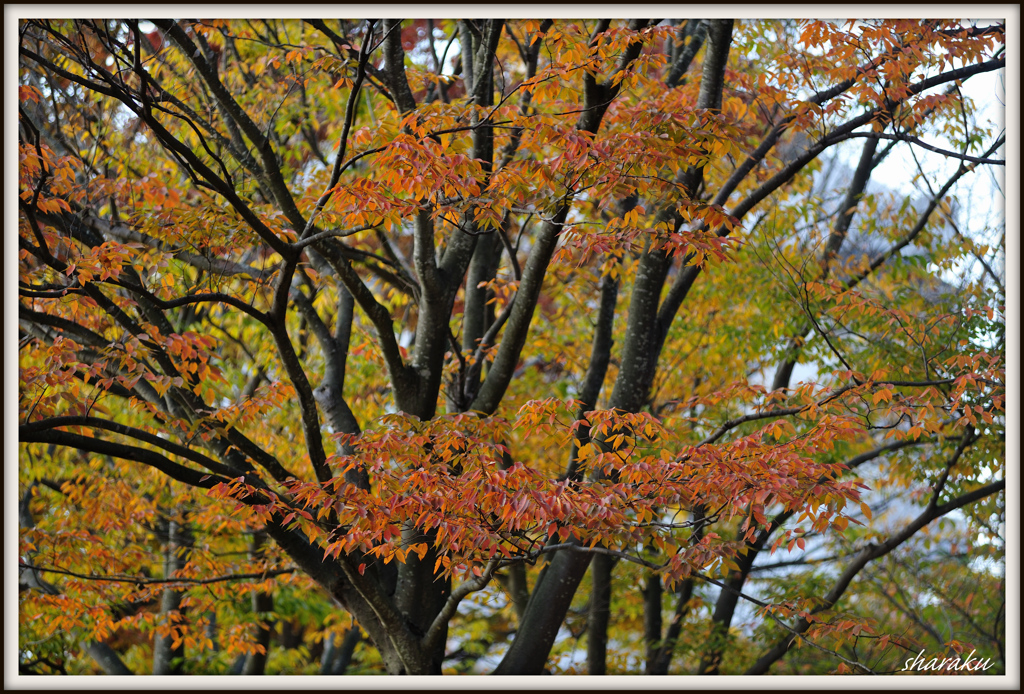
x: 453, y: 478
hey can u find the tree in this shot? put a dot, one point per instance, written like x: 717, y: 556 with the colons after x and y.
x: 424, y: 346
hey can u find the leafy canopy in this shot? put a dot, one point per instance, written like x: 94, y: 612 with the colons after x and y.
x: 448, y: 334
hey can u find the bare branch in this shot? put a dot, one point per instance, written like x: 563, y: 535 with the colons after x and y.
x: 174, y: 581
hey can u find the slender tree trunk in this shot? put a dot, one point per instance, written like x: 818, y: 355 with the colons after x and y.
x: 168, y: 659
x: 652, y: 617
x: 339, y: 651
x: 600, y: 612
x: 663, y: 658
x: 514, y: 583
x: 858, y: 186
x: 262, y: 606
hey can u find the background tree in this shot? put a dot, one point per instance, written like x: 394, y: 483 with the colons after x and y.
x: 350, y: 346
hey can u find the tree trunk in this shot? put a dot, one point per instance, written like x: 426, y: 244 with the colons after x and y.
x: 338, y: 652
x: 556, y: 587
x: 600, y: 612
x: 168, y: 659
x: 652, y: 618
x: 107, y: 658
x: 262, y: 606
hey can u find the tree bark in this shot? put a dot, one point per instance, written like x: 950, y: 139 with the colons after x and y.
x: 338, y: 652
x: 262, y: 605
x: 600, y: 612
x: 652, y: 618
x: 107, y: 658
x: 663, y: 658
x: 168, y: 659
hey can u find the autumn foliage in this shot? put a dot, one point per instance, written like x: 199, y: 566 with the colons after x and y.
x: 436, y: 346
